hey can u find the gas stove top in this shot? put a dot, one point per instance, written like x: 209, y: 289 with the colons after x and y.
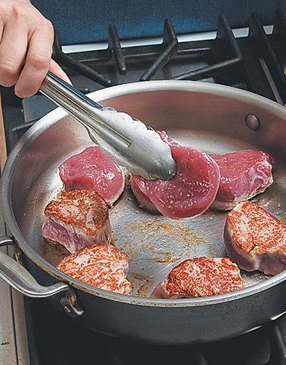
x: 252, y: 59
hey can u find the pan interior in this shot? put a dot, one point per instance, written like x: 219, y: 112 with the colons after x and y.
x: 154, y: 244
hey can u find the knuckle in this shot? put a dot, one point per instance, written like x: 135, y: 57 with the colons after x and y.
x: 17, y: 13
x: 48, y: 25
x: 8, y: 74
x: 39, y: 62
x: 7, y: 69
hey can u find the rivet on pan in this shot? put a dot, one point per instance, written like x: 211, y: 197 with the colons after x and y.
x: 71, y: 305
x: 67, y: 309
x: 252, y: 122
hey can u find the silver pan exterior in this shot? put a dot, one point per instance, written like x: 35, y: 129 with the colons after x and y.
x: 213, y: 118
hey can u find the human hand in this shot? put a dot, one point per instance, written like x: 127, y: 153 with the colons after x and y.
x: 25, y: 48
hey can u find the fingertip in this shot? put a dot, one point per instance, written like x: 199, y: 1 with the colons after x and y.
x: 23, y: 90
x: 57, y: 70
x: 23, y: 93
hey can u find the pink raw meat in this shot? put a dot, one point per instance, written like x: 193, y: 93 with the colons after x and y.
x: 92, y: 169
x: 190, y: 192
x: 142, y: 199
x: 243, y: 174
x: 169, y: 140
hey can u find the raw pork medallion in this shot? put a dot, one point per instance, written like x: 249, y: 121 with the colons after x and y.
x: 200, y: 277
x: 243, y: 174
x: 76, y: 219
x: 142, y: 199
x: 92, y: 169
x: 103, y: 266
x: 189, y: 193
x: 255, y: 240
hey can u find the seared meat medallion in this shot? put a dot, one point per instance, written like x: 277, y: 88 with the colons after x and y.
x: 200, y: 277
x: 255, y: 240
x: 76, y: 219
x: 103, y: 266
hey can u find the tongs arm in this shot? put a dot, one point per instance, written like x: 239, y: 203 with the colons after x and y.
x: 126, y: 140
x: 81, y: 107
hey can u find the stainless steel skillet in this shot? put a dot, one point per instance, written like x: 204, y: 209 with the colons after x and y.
x: 216, y: 119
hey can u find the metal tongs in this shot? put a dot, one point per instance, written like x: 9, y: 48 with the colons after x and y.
x: 128, y: 141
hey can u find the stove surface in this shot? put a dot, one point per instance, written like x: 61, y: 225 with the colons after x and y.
x: 13, y: 334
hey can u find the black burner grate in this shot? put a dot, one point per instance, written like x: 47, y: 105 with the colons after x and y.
x: 238, y: 62
x: 256, y: 62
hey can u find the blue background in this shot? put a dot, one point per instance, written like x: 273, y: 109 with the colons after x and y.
x: 87, y: 20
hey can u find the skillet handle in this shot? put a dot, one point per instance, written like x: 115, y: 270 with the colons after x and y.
x: 20, y: 279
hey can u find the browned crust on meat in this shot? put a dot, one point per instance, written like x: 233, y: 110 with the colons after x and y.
x: 83, y: 208
x: 203, y: 276
x: 254, y: 230
x: 101, y: 266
